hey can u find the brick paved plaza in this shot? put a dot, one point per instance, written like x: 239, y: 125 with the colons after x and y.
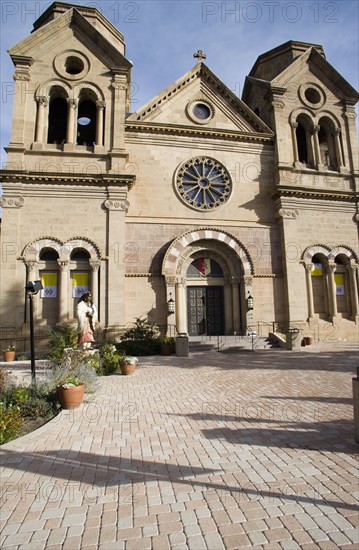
x: 218, y: 450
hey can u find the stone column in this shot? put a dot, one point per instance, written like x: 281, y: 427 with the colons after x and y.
x: 310, y: 299
x: 294, y: 126
x: 338, y: 149
x: 119, y: 86
x: 71, y: 121
x: 317, y: 159
x: 21, y: 98
x: 95, y: 266
x: 181, y: 321
x: 235, y: 304
x: 228, y: 307
x: 63, y: 300
x: 116, y: 205
x: 41, y: 105
x: 332, y: 289
x: 100, y: 106
x: 353, y: 268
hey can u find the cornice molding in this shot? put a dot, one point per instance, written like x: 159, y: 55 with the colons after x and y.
x: 310, y: 193
x: 48, y: 178
x: 191, y: 131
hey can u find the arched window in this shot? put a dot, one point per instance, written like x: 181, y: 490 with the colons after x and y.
x: 48, y: 254
x: 57, y: 125
x: 304, y: 141
x: 326, y: 144
x: 86, y: 120
x: 79, y: 254
x: 319, y: 285
x: 342, y: 285
x: 204, y: 267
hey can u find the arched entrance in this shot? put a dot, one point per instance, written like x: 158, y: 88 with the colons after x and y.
x: 209, y: 272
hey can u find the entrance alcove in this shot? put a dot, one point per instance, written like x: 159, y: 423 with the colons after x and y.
x: 209, y: 272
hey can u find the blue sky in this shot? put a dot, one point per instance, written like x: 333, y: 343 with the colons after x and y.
x: 162, y: 35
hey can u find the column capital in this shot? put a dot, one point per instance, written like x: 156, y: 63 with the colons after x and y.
x: 170, y: 281
x: 42, y: 100
x: 352, y: 267
x: 294, y: 125
x: 72, y: 103
x: 332, y: 266
x: 64, y: 264
x: 95, y: 264
x: 315, y: 128
x: 100, y: 105
x: 308, y: 267
x: 248, y: 280
x: 31, y: 264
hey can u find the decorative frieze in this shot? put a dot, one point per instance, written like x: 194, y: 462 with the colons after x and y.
x: 12, y: 202
x: 287, y: 214
x: 116, y: 205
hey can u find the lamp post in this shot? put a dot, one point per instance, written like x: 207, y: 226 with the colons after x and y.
x: 32, y: 288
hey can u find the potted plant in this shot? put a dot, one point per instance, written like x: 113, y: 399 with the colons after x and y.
x: 167, y: 345
x: 128, y: 364
x: 71, y: 393
x: 9, y: 353
x: 72, y: 378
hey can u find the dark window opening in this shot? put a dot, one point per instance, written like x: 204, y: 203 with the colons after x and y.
x: 204, y: 267
x: 302, y: 144
x: 312, y: 95
x: 80, y: 254
x: 86, y: 123
x: 326, y: 146
x: 74, y: 65
x: 48, y: 254
x: 57, y: 121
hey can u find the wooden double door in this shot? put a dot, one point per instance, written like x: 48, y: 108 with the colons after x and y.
x: 205, y: 310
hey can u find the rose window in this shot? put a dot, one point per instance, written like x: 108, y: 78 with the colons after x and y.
x: 203, y: 183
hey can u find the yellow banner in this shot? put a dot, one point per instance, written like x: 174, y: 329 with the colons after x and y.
x: 339, y: 281
x: 80, y: 284
x: 49, y: 279
x: 317, y: 270
x: 80, y: 279
x: 49, y: 284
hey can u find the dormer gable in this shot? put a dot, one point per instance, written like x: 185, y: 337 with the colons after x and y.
x: 38, y: 42
x: 199, y: 100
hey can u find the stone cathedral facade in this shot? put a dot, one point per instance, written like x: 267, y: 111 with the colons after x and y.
x: 197, y: 196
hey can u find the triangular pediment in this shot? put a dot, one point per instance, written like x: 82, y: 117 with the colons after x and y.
x: 46, y: 38
x: 322, y: 70
x: 198, y: 89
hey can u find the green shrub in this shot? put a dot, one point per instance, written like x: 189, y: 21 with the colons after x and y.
x: 32, y: 401
x: 61, y: 337
x: 10, y: 422
x: 143, y: 338
x: 4, y: 378
x: 109, y: 358
x: 76, y: 368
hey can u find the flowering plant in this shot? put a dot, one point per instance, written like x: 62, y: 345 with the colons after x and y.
x: 10, y: 347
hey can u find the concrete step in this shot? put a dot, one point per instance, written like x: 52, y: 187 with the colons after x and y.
x: 228, y: 344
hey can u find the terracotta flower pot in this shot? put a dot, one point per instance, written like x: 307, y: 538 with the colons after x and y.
x: 71, y: 398
x: 167, y: 349
x: 128, y: 368
x: 9, y: 355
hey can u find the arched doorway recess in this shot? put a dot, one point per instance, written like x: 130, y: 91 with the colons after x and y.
x: 209, y: 272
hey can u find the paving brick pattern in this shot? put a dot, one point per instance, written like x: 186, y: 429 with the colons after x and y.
x: 244, y: 450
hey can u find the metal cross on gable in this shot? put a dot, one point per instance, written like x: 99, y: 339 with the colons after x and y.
x: 200, y: 55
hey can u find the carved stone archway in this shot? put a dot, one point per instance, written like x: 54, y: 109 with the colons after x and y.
x: 236, y: 265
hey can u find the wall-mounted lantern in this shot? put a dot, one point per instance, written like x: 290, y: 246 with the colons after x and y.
x: 250, y: 302
x: 171, y: 305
